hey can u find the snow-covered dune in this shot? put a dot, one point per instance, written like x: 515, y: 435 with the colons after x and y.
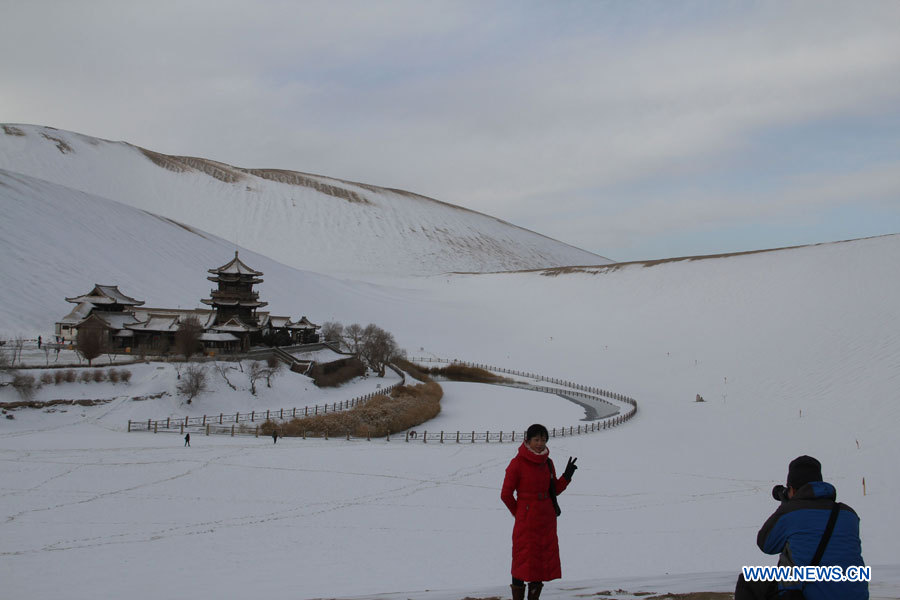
x: 57, y: 242
x: 306, y: 221
x: 796, y: 351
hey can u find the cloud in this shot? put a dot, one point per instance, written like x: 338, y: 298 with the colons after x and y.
x: 527, y: 111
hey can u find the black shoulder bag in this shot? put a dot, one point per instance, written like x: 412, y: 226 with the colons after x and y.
x: 552, y: 492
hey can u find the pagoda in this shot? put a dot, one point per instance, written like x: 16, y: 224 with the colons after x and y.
x: 234, y: 301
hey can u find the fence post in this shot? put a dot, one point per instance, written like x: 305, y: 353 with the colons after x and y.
x: 457, y: 436
x: 407, y: 435
x: 425, y: 437
x: 129, y: 425
x: 487, y: 437
x: 501, y: 436
x: 185, y: 421
x: 257, y: 431
x: 207, y: 429
x: 155, y: 425
x: 220, y: 418
x: 237, y: 417
x: 148, y: 424
x: 167, y: 422
x: 232, y: 430
x: 388, y: 435
x: 204, y: 420
x: 182, y: 427
x: 473, y: 437
x: 442, y: 436
x: 252, y: 415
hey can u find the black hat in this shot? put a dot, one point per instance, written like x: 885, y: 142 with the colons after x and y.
x: 802, y: 470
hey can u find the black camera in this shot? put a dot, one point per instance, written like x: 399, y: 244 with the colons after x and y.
x: 779, y: 492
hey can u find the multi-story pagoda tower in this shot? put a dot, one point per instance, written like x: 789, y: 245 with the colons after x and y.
x: 235, y: 301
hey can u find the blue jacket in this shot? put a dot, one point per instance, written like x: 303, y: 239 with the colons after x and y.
x: 795, y: 530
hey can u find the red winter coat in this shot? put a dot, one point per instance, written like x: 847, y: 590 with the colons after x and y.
x: 535, y: 550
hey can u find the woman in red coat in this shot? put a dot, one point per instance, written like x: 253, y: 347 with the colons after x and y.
x: 532, y: 475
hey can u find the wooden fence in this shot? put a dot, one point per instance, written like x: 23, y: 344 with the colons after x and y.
x: 248, y: 423
x: 240, y: 420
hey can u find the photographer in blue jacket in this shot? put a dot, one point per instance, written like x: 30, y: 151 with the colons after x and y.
x: 810, y: 528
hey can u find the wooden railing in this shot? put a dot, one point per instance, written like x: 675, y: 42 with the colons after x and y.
x: 249, y: 423
x: 251, y: 417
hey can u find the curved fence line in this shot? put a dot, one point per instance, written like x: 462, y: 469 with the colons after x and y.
x: 248, y: 423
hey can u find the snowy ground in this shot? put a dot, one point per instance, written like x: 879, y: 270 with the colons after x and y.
x: 796, y: 352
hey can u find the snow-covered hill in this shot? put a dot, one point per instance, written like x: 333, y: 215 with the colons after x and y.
x: 306, y: 221
x: 56, y: 242
x: 796, y: 351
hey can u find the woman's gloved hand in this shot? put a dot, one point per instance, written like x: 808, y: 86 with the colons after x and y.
x: 570, y: 468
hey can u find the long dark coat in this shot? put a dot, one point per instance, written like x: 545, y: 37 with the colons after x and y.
x: 535, y: 547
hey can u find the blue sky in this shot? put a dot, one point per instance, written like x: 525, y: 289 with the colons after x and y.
x: 636, y: 130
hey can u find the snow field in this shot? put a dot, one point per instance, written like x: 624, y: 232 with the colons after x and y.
x: 795, y: 351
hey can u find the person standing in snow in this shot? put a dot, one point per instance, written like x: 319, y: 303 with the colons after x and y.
x: 535, y: 547
x: 797, y: 531
x: 274, y: 436
x: 40, y: 341
x: 187, y: 440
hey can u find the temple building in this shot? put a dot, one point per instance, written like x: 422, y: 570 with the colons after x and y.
x: 232, y: 324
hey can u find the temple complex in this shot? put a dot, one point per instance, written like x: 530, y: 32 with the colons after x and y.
x: 232, y: 324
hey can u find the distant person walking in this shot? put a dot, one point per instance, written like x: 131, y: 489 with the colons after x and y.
x: 532, y: 476
x: 274, y: 436
x: 39, y: 342
x: 187, y: 440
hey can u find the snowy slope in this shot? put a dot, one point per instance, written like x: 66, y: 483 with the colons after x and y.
x: 306, y: 221
x: 57, y: 242
x: 796, y: 351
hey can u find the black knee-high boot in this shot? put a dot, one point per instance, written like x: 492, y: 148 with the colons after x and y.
x: 518, y: 591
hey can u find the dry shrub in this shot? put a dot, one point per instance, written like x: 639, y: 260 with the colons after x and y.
x: 59, y: 376
x: 98, y: 375
x: 337, y: 372
x: 113, y: 376
x: 70, y: 375
x: 407, y: 406
x: 413, y: 370
x: 47, y: 378
x: 125, y: 375
x: 457, y: 372
x: 26, y: 385
x: 86, y: 377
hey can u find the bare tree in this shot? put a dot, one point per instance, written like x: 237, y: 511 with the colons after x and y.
x: 18, y: 343
x: 333, y: 332
x: 273, y: 366
x: 187, y: 337
x: 354, y: 338
x: 222, y: 369
x: 193, y: 383
x: 257, y: 371
x: 89, y: 342
x: 378, y: 348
